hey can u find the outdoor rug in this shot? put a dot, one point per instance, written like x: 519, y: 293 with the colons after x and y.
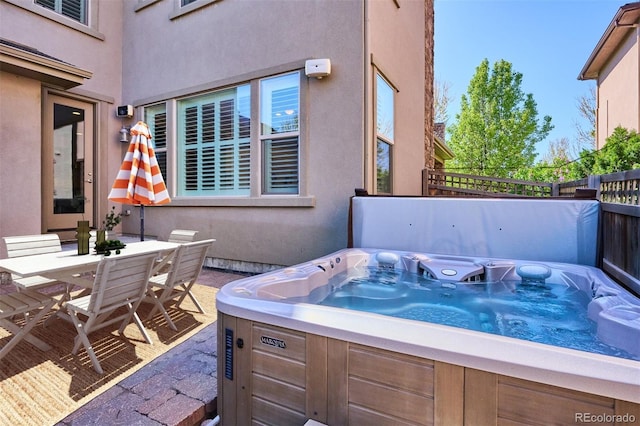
x: 41, y: 388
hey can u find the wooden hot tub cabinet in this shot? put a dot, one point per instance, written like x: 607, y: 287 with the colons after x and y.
x: 275, y: 376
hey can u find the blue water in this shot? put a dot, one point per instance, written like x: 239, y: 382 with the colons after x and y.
x: 546, y: 313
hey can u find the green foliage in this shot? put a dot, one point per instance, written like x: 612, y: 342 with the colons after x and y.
x: 111, y: 219
x: 107, y: 246
x: 557, y: 170
x: 621, y: 152
x: 555, y: 166
x: 497, y: 128
x: 583, y: 167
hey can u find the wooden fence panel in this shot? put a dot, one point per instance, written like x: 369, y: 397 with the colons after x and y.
x: 620, y: 226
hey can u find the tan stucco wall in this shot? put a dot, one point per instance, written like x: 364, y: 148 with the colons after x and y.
x: 102, y: 56
x: 148, y: 54
x: 19, y: 155
x: 99, y: 55
x: 619, y: 90
x: 396, y: 29
x: 335, y: 129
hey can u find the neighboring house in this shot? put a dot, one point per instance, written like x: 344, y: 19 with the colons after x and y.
x: 615, y: 65
x: 254, y: 153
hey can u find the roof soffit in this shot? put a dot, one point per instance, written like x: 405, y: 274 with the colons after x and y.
x: 625, y: 20
x: 442, y: 150
x: 27, y: 62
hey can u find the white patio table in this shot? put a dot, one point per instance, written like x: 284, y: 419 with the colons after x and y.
x: 68, y: 266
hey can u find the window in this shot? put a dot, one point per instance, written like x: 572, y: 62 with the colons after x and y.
x: 74, y: 9
x: 384, y: 134
x: 218, y: 153
x: 214, y: 143
x: 186, y: 2
x: 156, y: 118
x: 279, y: 133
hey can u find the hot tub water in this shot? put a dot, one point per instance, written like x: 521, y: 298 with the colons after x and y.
x: 548, y: 313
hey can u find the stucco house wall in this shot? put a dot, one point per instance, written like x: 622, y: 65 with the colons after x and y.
x: 339, y: 151
x: 151, y: 51
x: 20, y: 161
x: 618, y: 90
x: 231, y: 48
x: 21, y: 102
x: 614, y: 64
x: 391, y: 27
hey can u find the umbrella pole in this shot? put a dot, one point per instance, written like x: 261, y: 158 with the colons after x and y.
x: 142, y: 222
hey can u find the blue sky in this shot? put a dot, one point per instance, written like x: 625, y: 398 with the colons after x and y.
x: 548, y: 41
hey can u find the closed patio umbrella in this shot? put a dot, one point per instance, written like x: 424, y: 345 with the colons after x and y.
x: 139, y: 180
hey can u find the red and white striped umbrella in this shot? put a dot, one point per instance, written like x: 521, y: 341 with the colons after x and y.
x: 139, y: 180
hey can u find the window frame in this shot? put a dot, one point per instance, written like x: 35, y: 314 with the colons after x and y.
x: 90, y: 28
x: 161, y: 108
x: 210, y: 145
x: 180, y: 9
x: 256, y: 198
x: 58, y: 7
x: 276, y: 138
x: 383, y: 137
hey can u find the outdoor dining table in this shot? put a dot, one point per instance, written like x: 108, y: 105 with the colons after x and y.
x: 67, y: 266
x: 70, y: 267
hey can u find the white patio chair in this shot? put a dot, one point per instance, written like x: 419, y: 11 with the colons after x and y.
x: 27, y: 245
x: 120, y: 281
x: 179, y: 236
x: 176, y: 284
x: 182, y: 236
x: 23, y: 302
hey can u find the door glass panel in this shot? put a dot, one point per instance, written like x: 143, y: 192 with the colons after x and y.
x: 68, y: 160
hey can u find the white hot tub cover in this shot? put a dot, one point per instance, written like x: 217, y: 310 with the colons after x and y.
x: 540, y: 230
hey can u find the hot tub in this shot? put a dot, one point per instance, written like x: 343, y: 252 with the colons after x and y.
x: 283, y: 360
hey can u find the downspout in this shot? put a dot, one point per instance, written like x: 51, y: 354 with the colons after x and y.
x: 365, y: 99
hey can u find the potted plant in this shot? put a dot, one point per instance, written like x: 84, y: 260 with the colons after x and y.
x: 108, y: 246
x: 111, y: 220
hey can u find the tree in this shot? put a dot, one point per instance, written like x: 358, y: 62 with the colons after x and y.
x: 497, y: 128
x: 587, y: 110
x: 621, y: 152
x: 441, y: 101
x: 554, y: 166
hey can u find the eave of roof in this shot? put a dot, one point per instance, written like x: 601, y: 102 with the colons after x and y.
x: 28, y: 62
x: 442, y: 150
x: 624, y: 21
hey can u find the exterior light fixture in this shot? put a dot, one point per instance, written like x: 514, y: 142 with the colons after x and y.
x: 124, y: 134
